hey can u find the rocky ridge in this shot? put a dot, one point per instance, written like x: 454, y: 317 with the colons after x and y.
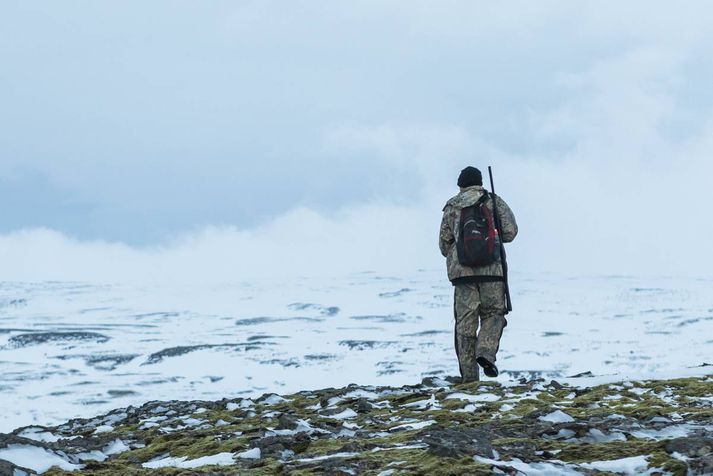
x: 439, y: 426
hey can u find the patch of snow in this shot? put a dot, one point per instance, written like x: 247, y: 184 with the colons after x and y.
x: 221, y: 459
x: 483, y: 397
x: 635, y: 465
x: 35, y: 458
x: 344, y: 415
x: 250, y: 454
x: 598, y: 436
x: 37, y: 434
x: 103, y: 429
x: 273, y: 399
x: 424, y: 404
x: 326, y: 457
x: 244, y: 404
x: 414, y: 426
x: 674, y: 431
x: 381, y: 404
x: 115, y: 447
x: 417, y: 446
x: 533, y: 469
x: 192, y: 421
x: 361, y: 393
x: 92, y: 456
x: 557, y: 416
x: 334, y: 401
x: 114, y: 419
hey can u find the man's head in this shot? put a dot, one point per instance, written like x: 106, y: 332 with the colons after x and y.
x: 470, y: 176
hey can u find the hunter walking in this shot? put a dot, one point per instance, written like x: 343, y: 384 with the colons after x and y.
x: 475, y: 225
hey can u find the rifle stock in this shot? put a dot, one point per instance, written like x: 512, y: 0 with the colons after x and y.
x: 503, y: 257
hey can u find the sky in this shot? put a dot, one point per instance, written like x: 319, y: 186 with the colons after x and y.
x: 237, y: 138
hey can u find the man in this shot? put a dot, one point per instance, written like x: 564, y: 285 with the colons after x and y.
x: 480, y: 290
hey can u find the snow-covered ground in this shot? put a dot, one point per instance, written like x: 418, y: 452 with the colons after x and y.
x: 80, y: 349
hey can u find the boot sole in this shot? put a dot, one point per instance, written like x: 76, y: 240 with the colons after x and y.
x: 489, y: 368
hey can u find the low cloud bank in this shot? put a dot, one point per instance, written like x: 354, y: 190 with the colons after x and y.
x: 301, y: 242
x: 575, y: 218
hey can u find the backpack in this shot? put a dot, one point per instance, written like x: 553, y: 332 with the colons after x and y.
x: 478, y: 241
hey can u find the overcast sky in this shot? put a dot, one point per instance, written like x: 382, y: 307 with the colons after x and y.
x: 136, y: 131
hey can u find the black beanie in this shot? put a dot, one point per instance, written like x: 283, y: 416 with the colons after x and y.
x: 470, y: 176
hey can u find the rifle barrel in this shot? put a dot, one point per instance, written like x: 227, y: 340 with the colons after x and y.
x: 503, y: 257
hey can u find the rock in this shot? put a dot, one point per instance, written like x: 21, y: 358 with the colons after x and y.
x: 287, y: 422
x: 457, y: 442
x: 692, y: 447
x: 35, y: 338
x: 363, y: 406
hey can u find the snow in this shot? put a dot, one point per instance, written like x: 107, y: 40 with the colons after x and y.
x: 431, y: 403
x: 533, y: 469
x: 635, y: 465
x: 39, y: 435
x: 557, y: 416
x: 669, y: 432
x: 414, y: 426
x: 417, y: 446
x: 326, y: 457
x: 343, y: 415
x: 598, y: 436
x: 220, y: 459
x: 485, y: 397
x: 263, y: 345
x: 242, y: 405
x: 35, y: 458
x: 115, y: 447
x: 250, y: 454
x: 361, y: 393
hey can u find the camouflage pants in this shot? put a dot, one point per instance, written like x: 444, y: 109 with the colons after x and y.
x: 484, y: 304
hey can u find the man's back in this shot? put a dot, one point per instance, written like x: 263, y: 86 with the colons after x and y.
x: 479, y: 296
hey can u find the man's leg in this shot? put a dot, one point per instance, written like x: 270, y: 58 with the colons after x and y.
x: 466, y: 341
x: 492, y: 319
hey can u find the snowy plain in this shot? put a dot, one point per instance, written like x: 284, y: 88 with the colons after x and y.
x: 80, y: 349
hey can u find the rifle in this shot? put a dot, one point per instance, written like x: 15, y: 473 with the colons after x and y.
x: 503, y: 258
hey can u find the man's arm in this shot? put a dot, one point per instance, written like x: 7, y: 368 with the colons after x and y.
x: 507, y: 221
x: 446, y: 238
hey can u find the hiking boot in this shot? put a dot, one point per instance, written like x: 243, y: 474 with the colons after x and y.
x: 488, y: 367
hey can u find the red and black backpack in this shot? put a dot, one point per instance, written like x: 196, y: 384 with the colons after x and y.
x: 478, y: 241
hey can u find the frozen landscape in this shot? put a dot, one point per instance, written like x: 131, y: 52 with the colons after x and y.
x: 79, y: 349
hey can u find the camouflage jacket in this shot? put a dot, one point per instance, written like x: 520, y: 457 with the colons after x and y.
x: 458, y: 273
